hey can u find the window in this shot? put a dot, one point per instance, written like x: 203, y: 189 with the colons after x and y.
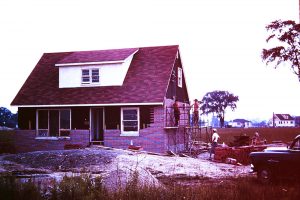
x: 179, y: 77
x: 130, y: 125
x: 53, y: 123
x: 95, y: 75
x: 85, y: 79
x: 90, y: 76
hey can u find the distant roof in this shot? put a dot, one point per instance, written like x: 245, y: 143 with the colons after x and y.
x: 97, y: 56
x: 146, y: 80
x: 284, y: 116
x: 240, y: 120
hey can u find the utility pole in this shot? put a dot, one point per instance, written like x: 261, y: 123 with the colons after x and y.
x: 274, y: 117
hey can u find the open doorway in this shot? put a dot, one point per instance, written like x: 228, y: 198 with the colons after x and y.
x: 97, y: 125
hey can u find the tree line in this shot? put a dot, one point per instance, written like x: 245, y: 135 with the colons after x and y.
x: 7, y: 118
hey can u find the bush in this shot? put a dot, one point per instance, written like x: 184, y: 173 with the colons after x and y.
x: 11, y: 189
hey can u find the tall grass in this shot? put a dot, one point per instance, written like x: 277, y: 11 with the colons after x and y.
x: 86, y: 188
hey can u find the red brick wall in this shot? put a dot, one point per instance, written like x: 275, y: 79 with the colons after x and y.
x: 25, y: 141
x: 154, y: 138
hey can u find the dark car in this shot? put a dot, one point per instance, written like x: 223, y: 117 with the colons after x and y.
x: 277, y: 162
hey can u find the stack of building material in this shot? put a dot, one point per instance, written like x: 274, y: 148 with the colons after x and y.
x: 241, y: 154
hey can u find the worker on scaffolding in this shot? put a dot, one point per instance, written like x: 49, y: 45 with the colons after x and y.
x: 195, y: 109
x: 176, y: 112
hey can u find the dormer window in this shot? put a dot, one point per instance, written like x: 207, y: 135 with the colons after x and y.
x: 90, y: 76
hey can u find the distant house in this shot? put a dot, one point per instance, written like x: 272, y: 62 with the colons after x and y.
x: 112, y: 97
x: 297, y: 121
x: 282, y: 120
x: 240, y: 123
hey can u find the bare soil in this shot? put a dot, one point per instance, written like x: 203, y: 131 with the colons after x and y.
x: 116, y: 165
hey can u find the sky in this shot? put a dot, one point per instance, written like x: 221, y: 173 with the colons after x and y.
x: 220, y: 43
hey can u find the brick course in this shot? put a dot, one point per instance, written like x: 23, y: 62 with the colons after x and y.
x: 25, y: 141
x: 154, y: 138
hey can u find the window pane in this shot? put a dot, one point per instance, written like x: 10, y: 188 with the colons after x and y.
x: 95, y: 72
x: 95, y: 79
x: 130, y: 126
x: 130, y: 123
x: 43, y: 119
x: 85, y: 79
x: 179, y: 77
x: 65, y: 119
x: 130, y: 114
x: 85, y: 72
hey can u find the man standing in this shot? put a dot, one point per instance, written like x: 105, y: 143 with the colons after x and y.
x: 195, y: 108
x: 214, y: 142
x: 176, y: 112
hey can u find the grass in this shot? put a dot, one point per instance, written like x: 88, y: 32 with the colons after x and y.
x: 86, y: 188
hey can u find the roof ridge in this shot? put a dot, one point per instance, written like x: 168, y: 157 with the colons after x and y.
x: 111, y: 49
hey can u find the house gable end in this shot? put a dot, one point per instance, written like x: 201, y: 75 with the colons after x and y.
x: 176, y: 89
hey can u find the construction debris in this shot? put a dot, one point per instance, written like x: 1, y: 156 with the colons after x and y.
x: 240, y: 154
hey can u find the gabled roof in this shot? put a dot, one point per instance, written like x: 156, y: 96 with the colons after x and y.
x: 146, y: 80
x: 284, y: 116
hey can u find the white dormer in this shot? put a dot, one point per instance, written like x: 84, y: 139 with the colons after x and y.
x: 93, y: 74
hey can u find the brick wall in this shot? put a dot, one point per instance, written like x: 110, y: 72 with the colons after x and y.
x: 25, y: 141
x: 154, y: 138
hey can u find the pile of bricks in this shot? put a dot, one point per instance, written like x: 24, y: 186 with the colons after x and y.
x: 241, y: 154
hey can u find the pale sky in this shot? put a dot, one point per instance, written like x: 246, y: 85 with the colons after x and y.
x: 220, y: 43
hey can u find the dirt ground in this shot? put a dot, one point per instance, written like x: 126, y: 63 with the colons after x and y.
x: 115, y: 166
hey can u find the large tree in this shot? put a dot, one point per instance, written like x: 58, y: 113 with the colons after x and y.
x: 287, y: 49
x: 217, y: 102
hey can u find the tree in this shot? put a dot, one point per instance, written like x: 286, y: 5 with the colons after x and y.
x: 7, y: 118
x: 287, y: 33
x: 217, y: 102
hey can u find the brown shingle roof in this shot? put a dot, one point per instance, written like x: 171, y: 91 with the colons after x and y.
x: 146, y: 81
x: 284, y: 117
x: 97, y: 56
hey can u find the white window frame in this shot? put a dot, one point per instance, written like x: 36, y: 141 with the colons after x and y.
x: 90, y: 76
x: 60, y: 129
x: 130, y: 133
x: 179, y: 75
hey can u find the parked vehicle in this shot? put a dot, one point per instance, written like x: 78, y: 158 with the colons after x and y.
x: 277, y: 162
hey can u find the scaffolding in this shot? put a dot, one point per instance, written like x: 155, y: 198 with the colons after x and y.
x: 195, y: 135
